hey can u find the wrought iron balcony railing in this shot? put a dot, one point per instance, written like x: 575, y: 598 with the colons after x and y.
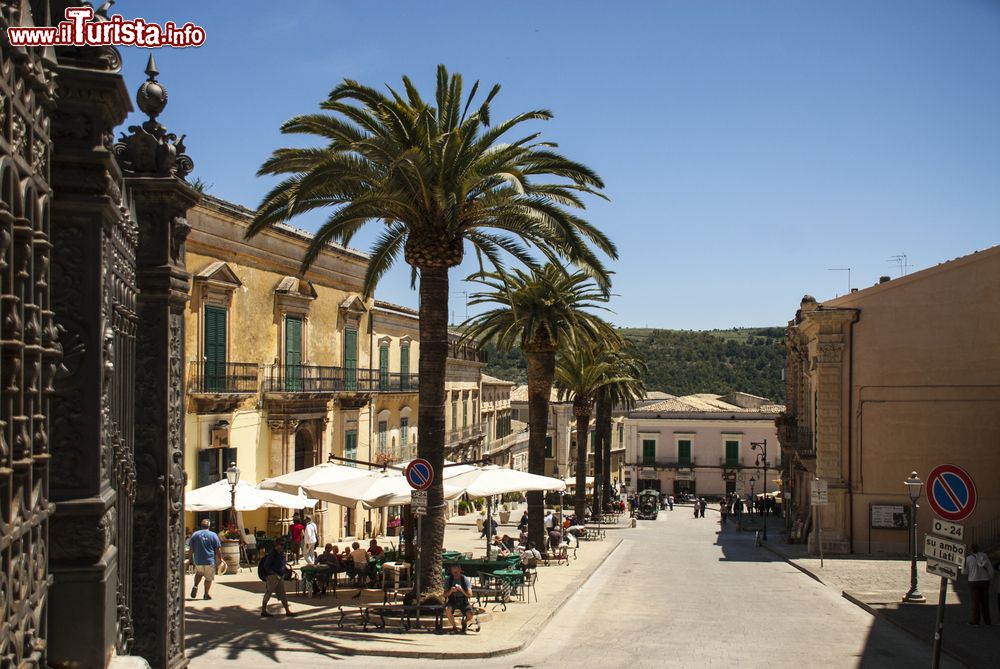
x: 324, y: 379
x: 730, y: 462
x: 223, y: 378
x: 667, y: 462
x: 467, y: 432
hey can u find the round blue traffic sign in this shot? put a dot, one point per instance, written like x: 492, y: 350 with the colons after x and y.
x: 951, y: 492
x: 419, y: 474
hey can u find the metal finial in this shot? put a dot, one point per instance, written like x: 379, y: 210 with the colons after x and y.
x: 151, y: 70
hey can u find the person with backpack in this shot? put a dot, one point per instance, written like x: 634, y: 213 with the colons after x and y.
x: 271, y: 569
x: 458, y: 593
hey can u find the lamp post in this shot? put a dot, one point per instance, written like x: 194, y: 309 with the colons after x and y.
x: 762, y: 460
x: 914, y: 486
x: 233, y: 477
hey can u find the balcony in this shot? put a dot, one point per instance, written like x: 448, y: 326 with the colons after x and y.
x: 458, y: 435
x: 668, y: 463
x: 320, y: 379
x: 731, y: 463
x: 223, y: 378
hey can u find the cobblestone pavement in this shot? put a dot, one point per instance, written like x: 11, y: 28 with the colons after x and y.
x: 676, y: 593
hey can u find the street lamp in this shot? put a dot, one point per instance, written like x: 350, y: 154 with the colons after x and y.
x: 762, y: 460
x: 914, y: 486
x: 233, y: 477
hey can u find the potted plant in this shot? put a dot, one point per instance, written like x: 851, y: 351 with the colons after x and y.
x: 463, y: 508
x: 504, y: 514
x: 478, y: 503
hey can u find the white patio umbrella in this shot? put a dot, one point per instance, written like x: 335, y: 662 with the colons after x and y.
x: 494, y: 480
x: 373, y: 490
x: 570, y: 481
x: 451, y: 469
x: 326, y: 472
x: 217, y: 497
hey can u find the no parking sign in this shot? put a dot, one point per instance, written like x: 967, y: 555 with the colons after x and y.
x: 951, y: 493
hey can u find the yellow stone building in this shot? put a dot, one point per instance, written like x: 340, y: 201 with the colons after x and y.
x: 284, y: 370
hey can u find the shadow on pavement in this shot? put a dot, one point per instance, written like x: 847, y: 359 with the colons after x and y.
x: 738, y: 546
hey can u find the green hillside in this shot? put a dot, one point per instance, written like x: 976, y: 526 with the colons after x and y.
x: 682, y: 362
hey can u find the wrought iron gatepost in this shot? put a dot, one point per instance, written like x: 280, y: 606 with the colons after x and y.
x: 155, y: 166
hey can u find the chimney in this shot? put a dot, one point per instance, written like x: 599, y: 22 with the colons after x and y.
x: 884, y: 279
x: 854, y: 290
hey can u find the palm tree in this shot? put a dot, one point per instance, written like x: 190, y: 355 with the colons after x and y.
x: 433, y: 176
x: 584, y: 371
x: 540, y: 312
x: 624, y: 387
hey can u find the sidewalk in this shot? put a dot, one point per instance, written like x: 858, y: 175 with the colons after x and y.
x: 231, y: 620
x: 878, y: 585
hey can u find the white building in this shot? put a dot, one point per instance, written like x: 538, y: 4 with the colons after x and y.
x: 703, y: 444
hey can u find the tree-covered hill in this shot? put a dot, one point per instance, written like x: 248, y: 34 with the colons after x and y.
x: 682, y: 362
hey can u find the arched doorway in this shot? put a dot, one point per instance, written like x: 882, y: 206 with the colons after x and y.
x: 305, y: 452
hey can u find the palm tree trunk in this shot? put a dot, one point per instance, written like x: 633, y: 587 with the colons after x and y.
x: 582, y: 413
x: 430, y: 421
x: 604, y: 423
x: 541, y: 374
x: 599, y: 462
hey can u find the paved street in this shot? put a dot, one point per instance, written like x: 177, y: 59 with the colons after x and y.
x: 676, y: 594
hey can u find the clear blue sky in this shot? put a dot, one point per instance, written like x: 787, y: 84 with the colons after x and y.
x: 747, y: 147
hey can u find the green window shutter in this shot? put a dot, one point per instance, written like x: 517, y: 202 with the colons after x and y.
x: 383, y: 367
x: 383, y: 435
x: 649, y: 451
x: 404, y: 368
x: 351, y: 446
x: 465, y: 412
x: 350, y: 359
x: 732, y: 452
x: 548, y: 446
x: 215, y: 349
x: 621, y: 435
x: 204, y: 468
x: 404, y: 433
x: 293, y: 353
x: 684, y: 451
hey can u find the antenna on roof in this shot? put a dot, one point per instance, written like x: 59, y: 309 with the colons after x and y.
x: 843, y: 269
x: 901, y: 263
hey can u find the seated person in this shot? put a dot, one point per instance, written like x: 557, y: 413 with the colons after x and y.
x: 374, y: 550
x: 500, y: 547
x: 458, y: 593
x: 330, y: 558
x: 508, y: 541
x: 522, y: 539
x: 250, y: 541
x: 555, y: 538
x: 359, y: 558
x: 530, y: 553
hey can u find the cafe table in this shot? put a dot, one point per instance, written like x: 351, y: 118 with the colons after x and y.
x: 513, y: 576
x: 310, y: 572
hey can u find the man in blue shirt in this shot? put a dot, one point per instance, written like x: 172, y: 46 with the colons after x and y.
x: 206, y: 552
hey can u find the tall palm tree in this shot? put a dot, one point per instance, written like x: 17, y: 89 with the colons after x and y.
x: 582, y: 372
x: 624, y: 387
x: 540, y: 312
x: 434, y: 176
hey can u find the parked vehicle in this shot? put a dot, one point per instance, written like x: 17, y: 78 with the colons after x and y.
x: 649, y: 505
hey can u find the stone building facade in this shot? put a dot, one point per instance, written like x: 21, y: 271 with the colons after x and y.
x: 895, y: 378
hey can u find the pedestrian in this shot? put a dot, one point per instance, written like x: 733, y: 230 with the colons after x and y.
x: 723, y: 512
x: 296, y: 531
x: 310, y: 537
x: 271, y: 570
x: 550, y: 520
x: 523, y: 525
x: 670, y: 502
x: 696, y: 507
x: 250, y: 542
x: 979, y: 570
x: 738, y: 508
x: 702, y: 505
x: 206, y: 553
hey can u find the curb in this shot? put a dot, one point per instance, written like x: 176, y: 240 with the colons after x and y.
x: 868, y: 608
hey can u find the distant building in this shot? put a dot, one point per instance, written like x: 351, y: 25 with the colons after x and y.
x: 559, y: 451
x: 701, y: 444
x: 900, y: 377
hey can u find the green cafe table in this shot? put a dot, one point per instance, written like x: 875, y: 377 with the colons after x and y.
x: 310, y: 575
x: 513, y: 576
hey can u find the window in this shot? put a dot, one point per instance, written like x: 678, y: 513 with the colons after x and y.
x: 215, y: 349
x: 649, y: 451
x: 475, y: 410
x: 212, y: 464
x: 732, y: 452
x: 516, y: 413
x: 404, y: 432
x: 404, y: 367
x: 465, y: 412
x: 621, y: 435
x: 454, y: 413
x: 350, y: 359
x: 383, y: 435
x: 293, y: 353
x: 383, y: 367
x: 684, y: 451
x: 351, y: 446
x: 548, y: 446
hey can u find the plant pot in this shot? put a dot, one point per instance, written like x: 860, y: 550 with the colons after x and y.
x: 505, y: 516
x: 231, y: 555
x: 462, y: 511
x: 480, y: 524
